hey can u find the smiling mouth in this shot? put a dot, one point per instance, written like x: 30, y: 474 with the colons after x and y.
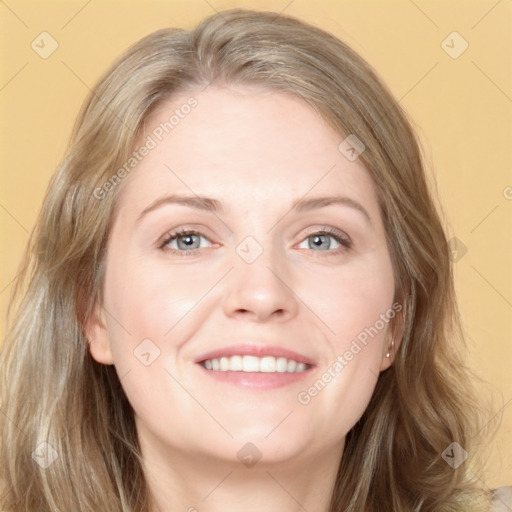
x: 254, y: 364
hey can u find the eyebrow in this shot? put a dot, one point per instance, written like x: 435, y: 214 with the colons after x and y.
x: 197, y: 202
x: 213, y: 205
x: 320, y: 202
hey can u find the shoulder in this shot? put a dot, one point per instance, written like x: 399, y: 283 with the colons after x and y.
x: 501, y: 499
x: 495, y: 500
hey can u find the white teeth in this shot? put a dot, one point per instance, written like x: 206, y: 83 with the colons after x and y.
x: 236, y: 363
x: 281, y: 364
x: 266, y: 364
x: 292, y: 366
x: 250, y: 364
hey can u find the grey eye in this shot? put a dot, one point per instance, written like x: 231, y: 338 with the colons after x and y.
x: 186, y: 241
x: 320, y: 241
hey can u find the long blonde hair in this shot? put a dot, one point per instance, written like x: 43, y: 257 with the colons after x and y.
x: 52, y: 391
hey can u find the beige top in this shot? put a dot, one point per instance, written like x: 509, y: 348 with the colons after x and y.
x: 496, y: 500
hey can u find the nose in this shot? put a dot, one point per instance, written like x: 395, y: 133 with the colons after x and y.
x: 260, y: 290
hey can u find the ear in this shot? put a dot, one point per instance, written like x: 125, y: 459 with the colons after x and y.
x: 97, y: 335
x: 394, y: 339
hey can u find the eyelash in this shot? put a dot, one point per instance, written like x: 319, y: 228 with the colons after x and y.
x: 341, y: 238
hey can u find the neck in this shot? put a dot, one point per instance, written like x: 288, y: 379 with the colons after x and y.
x: 185, y: 482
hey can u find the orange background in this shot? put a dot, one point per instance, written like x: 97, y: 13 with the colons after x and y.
x: 461, y: 107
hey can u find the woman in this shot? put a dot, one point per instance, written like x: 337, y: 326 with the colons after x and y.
x: 238, y: 294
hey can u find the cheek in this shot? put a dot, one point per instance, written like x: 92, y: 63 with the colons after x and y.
x: 356, y: 305
x: 350, y: 301
x: 150, y: 313
x: 153, y: 298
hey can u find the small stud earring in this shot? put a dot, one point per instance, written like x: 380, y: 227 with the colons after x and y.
x: 391, y: 349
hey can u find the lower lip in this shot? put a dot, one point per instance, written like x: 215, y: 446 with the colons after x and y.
x: 257, y: 380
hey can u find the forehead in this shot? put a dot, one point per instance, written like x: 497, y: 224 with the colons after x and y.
x: 245, y: 146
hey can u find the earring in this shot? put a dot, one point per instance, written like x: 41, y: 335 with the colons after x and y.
x: 391, y: 349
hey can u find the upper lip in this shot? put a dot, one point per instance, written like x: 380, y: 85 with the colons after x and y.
x: 254, y: 350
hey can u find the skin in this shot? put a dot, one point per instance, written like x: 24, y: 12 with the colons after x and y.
x: 255, y: 151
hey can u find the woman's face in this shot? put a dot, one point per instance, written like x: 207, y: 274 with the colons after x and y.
x: 256, y: 277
